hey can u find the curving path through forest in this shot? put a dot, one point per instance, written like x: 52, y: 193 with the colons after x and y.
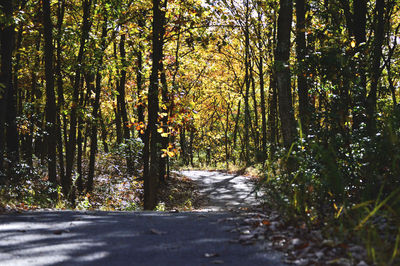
x: 223, y: 191
x: 136, y: 238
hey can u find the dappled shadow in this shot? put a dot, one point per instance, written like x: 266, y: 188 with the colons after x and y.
x: 224, y: 191
x: 121, y: 238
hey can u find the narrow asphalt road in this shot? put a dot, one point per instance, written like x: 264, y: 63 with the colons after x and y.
x: 224, y: 191
x: 127, y: 238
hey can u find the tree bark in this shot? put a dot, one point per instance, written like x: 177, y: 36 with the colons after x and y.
x: 262, y: 87
x: 95, y: 112
x: 60, y: 91
x: 122, y: 103
x: 152, y: 177
x: 304, y: 108
x: 247, y: 84
x: 121, y: 88
x: 71, y: 147
x: 8, y: 110
x: 359, y: 27
x: 273, y: 114
x: 376, y: 67
x: 282, y: 70
x: 51, y: 112
x: 139, y: 82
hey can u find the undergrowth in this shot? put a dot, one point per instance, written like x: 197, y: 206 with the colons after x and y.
x: 345, y: 184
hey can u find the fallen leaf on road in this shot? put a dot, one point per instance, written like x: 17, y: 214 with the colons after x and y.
x: 266, y: 222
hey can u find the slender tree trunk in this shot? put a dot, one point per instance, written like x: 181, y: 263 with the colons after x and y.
x: 103, y: 132
x: 8, y: 104
x: 28, y: 145
x: 71, y: 147
x: 117, y: 122
x: 151, y: 180
x: 51, y: 111
x: 256, y: 127
x: 273, y: 96
x: 247, y: 84
x: 191, y: 139
x: 226, y: 137
x: 121, y: 88
x: 282, y: 65
x: 182, y: 140
x: 164, y: 161
x: 376, y: 67
x: 17, y: 64
x: 164, y: 120
x: 95, y: 113
x: 273, y: 114
x: 262, y: 89
x: 60, y: 91
x: 122, y: 104
x: 139, y: 82
x: 235, y: 132
x: 304, y: 109
x: 3, y: 108
x: 359, y: 94
x: 79, y: 158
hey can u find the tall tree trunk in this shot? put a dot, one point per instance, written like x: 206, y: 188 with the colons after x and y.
x: 376, y: 67
x: 191, y: 140
x: 95, y: 112
x: 273, y: 114
x: 226, y: 137
x: 164, y: 120
x: 79, y: 158
x: 117, y: 122
x: 60, y: 91
x: 235, y: 132
x: 8, y: 104
x: 3, y: 108
x: 51, y: 112
x: 122, y: 104
x: 273, y: 96
x: 139, y: 82
x: 152, y: 178
x: 262, y: 85
x: 71, y: 147
x: 103, y: 132
x: 304, y: 109
x: 164, y: 161
x: 282, y: 65
x: 182, y: 140
x: 28, y: 145
x: 359, y: 27
x: 255, y: 107
x: 17, y: 66
x: 121, y: 88
x: 247, y: 84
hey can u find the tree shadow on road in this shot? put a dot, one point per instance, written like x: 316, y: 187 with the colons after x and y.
x: 121, y: 238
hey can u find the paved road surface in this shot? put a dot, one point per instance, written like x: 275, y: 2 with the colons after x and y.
x: 125, y: 238
x: 224, y: 191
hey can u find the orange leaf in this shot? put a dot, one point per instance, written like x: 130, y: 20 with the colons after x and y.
x: 266, y: 222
